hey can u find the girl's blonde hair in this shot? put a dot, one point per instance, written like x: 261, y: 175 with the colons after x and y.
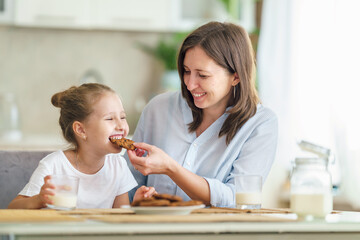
x: 76, y: 104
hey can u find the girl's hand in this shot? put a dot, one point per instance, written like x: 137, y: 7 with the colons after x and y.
x: 45, y: 191
x: 155, y: 162
x: 144, y: 192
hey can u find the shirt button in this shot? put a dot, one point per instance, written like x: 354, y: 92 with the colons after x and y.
x: 188, y: 163
x: 195, y: 145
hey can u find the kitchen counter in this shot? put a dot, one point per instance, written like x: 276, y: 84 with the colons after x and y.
x: 344, y: 225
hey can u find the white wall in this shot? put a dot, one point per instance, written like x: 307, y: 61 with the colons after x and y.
x: 35, y: 63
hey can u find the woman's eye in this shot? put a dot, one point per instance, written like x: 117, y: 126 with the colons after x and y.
x: 203, y: 76
x: 109, y: 119
x: 186, y: 72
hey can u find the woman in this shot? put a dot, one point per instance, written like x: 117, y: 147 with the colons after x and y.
x: 215, y: 129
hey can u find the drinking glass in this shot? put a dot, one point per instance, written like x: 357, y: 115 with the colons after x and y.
x: 248, y: 191
x: 66, y: 189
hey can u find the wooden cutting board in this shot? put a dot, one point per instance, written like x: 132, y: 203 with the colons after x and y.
x: 241, y: 211
x: 98, y: 211
x: 21, y: 215
x: 211, y: 210
x: 192, y: 218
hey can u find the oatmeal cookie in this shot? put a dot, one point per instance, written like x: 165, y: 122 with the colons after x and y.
x: 171, y: 198
x: 137, y: 202
x: 155, y: 203
x: 123, y: 142
x: 186, y: 203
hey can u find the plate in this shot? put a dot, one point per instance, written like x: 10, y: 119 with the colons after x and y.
x: 180, y: 210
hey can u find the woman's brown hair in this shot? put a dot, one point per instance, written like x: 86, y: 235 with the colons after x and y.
x: 76, y: 104
x: 229, y: 46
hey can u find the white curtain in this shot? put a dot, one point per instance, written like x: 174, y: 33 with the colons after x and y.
x: 309, y: 74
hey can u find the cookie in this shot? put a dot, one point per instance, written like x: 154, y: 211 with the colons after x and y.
x: 137, y: 202
x: 123, y: 142
x: 155, y: 203
x: 171, y: 198
x: 186, y: 203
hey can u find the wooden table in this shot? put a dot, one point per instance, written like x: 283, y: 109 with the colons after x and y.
x: 123, y: 224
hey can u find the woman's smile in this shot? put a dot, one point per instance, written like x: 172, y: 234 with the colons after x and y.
x: 198, y: 95
x: 208, y: 82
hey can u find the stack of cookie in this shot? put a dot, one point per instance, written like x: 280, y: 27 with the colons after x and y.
x: 158, y: 200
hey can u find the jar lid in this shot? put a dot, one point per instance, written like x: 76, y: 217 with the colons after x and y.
x: 313, y: 148
x: 322, y: 161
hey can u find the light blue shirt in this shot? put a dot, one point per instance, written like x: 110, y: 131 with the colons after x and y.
x: 164, y: 123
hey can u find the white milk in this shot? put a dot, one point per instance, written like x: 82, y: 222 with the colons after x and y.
x: 248, y: 198
x: 317, y: 205
x: 64, y: 200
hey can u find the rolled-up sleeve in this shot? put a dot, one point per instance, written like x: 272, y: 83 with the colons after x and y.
x: 256, y: 157
x: 221, y: 195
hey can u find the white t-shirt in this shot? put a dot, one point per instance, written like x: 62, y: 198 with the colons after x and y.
x: 95, y: 190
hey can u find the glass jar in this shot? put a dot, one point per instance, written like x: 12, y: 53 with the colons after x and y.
x: 311, y: 188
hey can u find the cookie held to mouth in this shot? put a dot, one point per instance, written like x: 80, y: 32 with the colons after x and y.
x: 123, y: 142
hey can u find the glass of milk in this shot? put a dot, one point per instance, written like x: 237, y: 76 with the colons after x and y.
x: 66, y: 189
x: 248, y: 191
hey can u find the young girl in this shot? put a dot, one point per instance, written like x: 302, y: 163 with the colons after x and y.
x: 90, y: 116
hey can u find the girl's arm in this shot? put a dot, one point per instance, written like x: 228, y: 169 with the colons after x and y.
x: 37, y: 201
x: 120, y: 200
x: 25, y: 202
x: 141, y: 192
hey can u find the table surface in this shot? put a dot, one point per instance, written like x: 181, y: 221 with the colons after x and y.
x: 345, y: 223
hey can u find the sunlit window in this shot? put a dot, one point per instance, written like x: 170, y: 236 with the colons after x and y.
x: 309, y: 74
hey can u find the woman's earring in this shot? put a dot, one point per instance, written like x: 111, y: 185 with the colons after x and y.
x: 234, y: 91
x: 84, y: 138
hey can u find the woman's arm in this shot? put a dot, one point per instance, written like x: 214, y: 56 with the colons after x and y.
x: 196, y: 187
x: 256, y: 157
x: 158, y: 162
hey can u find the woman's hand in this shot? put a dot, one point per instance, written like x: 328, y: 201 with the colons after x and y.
x: 139, y: 152
x: 155, y: 162
x: 45, y: 191
x: 144, y: 192
x: 158, y: 162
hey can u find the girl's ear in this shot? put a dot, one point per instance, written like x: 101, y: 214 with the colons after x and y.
x: 236, y: 80
x: 79, y: 129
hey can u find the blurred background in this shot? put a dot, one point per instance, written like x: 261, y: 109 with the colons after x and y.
x: 307, y: 70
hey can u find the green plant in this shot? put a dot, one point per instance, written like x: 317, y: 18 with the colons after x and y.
x: 165, y: 50
x: 232, y: 7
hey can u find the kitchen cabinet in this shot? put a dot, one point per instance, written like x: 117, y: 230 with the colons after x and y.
x: 52, y: 13
x: 129, y: 15
x: 140, y: 15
